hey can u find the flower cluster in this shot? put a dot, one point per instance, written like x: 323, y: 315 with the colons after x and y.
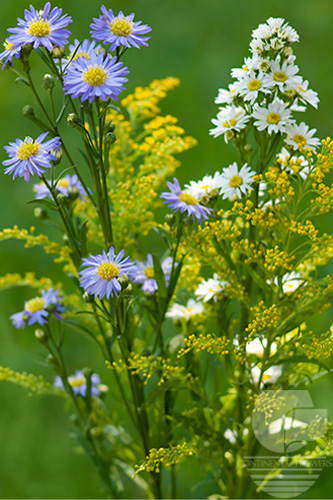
x: 267, y: 90
x: 38, y: 309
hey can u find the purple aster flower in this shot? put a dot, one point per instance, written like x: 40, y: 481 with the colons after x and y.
x: 9, y: 52
x: 30, y: 156
x: 38, y: 309
x: 41, y: 28
x: 119, y: 30
x: 97, y: 77
x: 185, y: 202
x: 145, y: 273
x: 79, y: 49
x: 100, y: 278
x: 78, y: 383
x: 68, y: 185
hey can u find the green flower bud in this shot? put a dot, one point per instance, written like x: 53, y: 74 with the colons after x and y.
x: 110, y: 138
x: 65, y: 239
x: 28, y: 110
x: 41, y: 213
x: 88, y: 299
x: 62, y: 199
x: 96, y: 432
x: 73, y: 119
x: 230, y: 134
x: 73, y: 193
x: 248, y: 148
x: 57, y: 153
x: 48, y: 82
x: 87, y: 372
x: 109, y: 127
x: 124, y: 281
x: 58, y: 52
x: 170, y: 219
x: 41, y: 336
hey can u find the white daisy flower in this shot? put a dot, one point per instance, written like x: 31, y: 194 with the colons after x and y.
x: 271, y: 375
x: 235, y: 182
x: 229, y: 118
x: 257, y: 347
x: 250, y: 63
x: 274, y: 118
x: 300, y: 136
x: 251, y: 84
x: 284, y: 75
x: 210, y: 288
x: 285, y: 424
x: 232, y: 435
x: 192, y: 308
x: 206, y: 188
x: 227, y: 96
x: 307, y: 95
x: 257, y: 46
x: 291, y: 281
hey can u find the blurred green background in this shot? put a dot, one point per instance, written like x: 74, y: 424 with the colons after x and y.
x: 199, y: 42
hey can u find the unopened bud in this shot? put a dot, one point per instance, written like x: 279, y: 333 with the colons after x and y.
x: 57, y: 153
x: 170, y: 219
x: 51, y: 308
x: 110, y: 138
x: 265, y: 66
x: 87, y: 372
x: 248, y: 148
x: 101, y: 50
x: 87, y: 298
x: 58, y: 52
x: 41, y: 336
x: 230, y: 134
x: 73, y: 119
x: 48, y: 82
x: 288, y: 51
x: 62, y: 199
x: 28, y: 110
x: 40, y: 213
x: 73, y: 193
x: 65, y: 239
x: 291, y: 93
x: 109, y: 127
x: 51, y: 360
x: 96, y: 432
x: 124, y: 281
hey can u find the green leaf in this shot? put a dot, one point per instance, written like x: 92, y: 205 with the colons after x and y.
x: 45, y: 203
x: 302, y: 359
x: 159, y: 277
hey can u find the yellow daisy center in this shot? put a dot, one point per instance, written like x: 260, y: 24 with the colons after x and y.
x: 188, y: 198
x: 300, y: 139
x: 230, y: 123
x: 254, y: 85
x: 121, y: 27
x: 34, y: 305
x: 77, y: 382
x: 149, y: 273
x: 108, y: 271
x: 273, y: 118
x: 189, y: 309
x: 280, y: 76
x: 8, y: 45
x: 235, y: 181
x: 265, y: 377
x: 39, y: 28
x: 63, y: 183
x: 27, y: 149
x: 79, y: 53
x: 95, y: 76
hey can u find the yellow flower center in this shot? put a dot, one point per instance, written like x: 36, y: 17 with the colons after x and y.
x: 39, y: 28
x: 121, y: 27
x: 27, y: 149
x: 149, y: 273
x: 95, y: 76
x: 189, y: 309
x: 34, y: 305
x: 79, y: 53
x: 254, y: 85
x: 265, y: 377
x: 230, y: 123
x: 235, y: 181
x: 77, y: 381
x: 8, y: 45
x: 280, y: 76
x: 300, y: 139
x: 108, y: 271
x: 188, y: 198
x: 273, y: 118
x: 63, y: 183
